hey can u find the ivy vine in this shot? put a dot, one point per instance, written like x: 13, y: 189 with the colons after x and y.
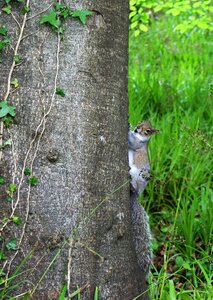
x: 53, y: 17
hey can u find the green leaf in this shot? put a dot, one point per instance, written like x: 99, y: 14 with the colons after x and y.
x: 137, y: 32
x: 3, y: 30
x: 16, y: 220
x: 4, y: 42
x: 186, y: 265
x: 181, y: 27
x: 15, y: 83
x: 174, y: 11
x: 25, y: 10
x: 12, y: 187
x: 60, y: 30
x: 60, y: 92
x: 143, y: 27
x: 58, y: 6
x: 50, y: 18
x: 134, y: 24
x: 2, y: 257
x: 202, y: 25
x: 7, y: 121
x: 9, y: 200
x: 82, y: 15
x: 7, y: 9
x: 27, y: 171
x: 158, y: 8
x: 133, y: 8
x: 5, y: 109
x: 33, y: 180
x: 96, y: 293
x: 17, y: 59
x: 2, y: 280
x: 144, y: 17
x: 166, y: 228
x: 133, y: 2
x: 172, y: 292
x: 132, y: 14
x: 64, y: 13
x: 63, y: 293
x: 1, y: 180
x: 8, y: 142
x: 12, y: 244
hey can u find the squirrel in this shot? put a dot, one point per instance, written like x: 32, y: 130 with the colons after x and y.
x: 140, y: 175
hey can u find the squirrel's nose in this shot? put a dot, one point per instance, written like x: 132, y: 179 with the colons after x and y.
x: 154, y: 130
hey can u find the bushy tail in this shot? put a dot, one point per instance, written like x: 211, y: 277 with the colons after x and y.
x: 141, y: 233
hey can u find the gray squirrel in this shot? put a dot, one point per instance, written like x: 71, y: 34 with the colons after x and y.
x: 140, y: 175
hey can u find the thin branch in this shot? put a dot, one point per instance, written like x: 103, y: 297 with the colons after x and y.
x: 17, y: 22
x: 12, y: 69
x: 14, y: 162
x: 41, y: 12
x: 27, y: 35
x: 42, y: 123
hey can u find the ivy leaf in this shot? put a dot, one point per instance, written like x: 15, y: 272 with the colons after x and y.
x: 3, y: 30
x: 27, y: 171
x: 2, y: 280
x: 61, y: 30
x: 25, y: 10
x: 17, y: 59
x: 2, y: 257
x: 16, y: 220
x: 5, y: 109
x: 12, y: 244
x: 58, y: 6
x: 7, y: 9
x: 7, y: 121
x: 82, y: 15
x: 60, y: 92
x: 9, y: 200
x: 4, y: 42
x: 65, y: 12
x: 33, y: 180
x: 1, y: 180
x: 15, y: 83
x: 12, y: 187
x: 8, y: 142
x: 50, y: 18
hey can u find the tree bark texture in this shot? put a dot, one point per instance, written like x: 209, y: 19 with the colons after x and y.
x: 77, y: 148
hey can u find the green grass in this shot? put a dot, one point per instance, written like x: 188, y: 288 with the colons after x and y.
x: 170, y: 83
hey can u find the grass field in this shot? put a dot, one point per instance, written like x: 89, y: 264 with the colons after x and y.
x: 170, y: 84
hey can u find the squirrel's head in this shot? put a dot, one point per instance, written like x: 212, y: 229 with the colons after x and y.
x: 144, y: 130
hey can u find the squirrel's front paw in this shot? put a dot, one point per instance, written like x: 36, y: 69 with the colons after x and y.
x: 145, y: 174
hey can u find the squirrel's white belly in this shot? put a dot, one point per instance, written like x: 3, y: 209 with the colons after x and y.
x: 139, y: 176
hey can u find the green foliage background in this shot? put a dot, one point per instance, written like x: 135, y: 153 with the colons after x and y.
x: 192, y: 14
x: 170, y: 83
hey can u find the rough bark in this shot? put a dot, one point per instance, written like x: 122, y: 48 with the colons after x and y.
x: 79, y: 152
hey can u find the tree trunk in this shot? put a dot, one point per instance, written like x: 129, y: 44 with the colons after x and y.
x: 76, y: 220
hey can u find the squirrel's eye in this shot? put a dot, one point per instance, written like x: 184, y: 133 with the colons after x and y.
x: 137, y: 129
x: 147, y: 131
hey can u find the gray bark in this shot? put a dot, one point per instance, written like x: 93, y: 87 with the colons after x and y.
x: 79, y: 153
